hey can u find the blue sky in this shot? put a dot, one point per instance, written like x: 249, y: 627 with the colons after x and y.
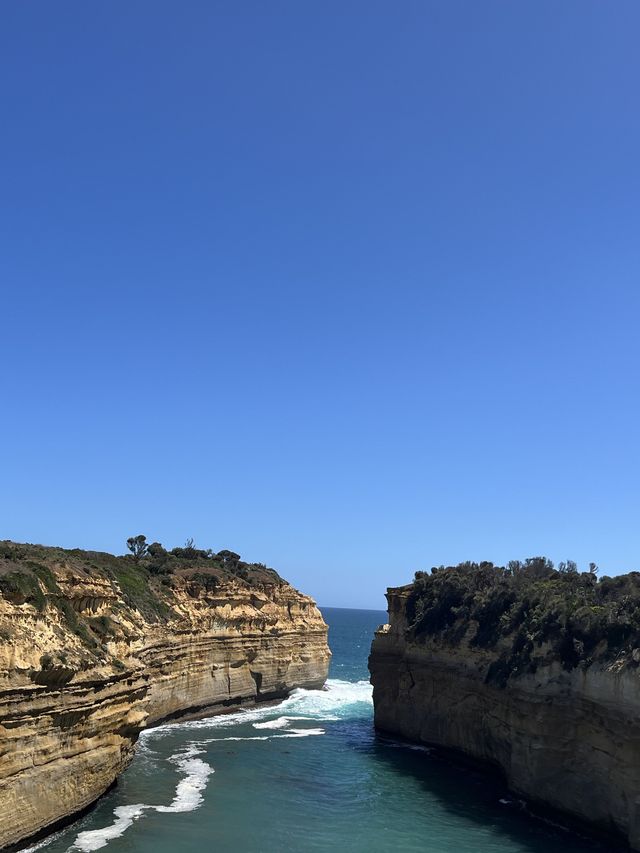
x: 350, y: 288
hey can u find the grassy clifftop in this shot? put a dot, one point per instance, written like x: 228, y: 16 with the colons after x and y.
x: 28, y: 575
x: 529, y: 613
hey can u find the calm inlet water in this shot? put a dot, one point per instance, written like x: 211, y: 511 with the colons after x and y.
x: 306, y: 775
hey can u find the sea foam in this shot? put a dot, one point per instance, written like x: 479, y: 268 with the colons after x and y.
x: 331, y: 703
x: 278, y: 723
x: 188, y: 796
x: 301, y: 733
x: 327, y: 704
x: 94, y: 839
x: 335, y: 701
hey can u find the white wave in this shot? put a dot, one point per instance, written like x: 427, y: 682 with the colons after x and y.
x: 278, y: 723
x: 336, y: 699
x: 327, y: 704
x: 237, y: 737
x: 189, y: 790
x: 188, y: 796
x: 289, y: 733
x: 219, y: 721
x: 94, y: 839
x: 301, y: 733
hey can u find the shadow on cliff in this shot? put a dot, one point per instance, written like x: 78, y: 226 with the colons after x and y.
x: 475, y: 796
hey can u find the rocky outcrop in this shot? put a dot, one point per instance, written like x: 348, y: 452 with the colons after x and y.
x: 83, y: 671
x: 565, y: 739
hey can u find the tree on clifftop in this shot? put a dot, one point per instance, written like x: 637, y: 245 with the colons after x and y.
x: 138, y: 546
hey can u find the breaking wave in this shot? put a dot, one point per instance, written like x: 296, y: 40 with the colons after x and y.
x: 94, y: 839
x: 336, y: 700
x: 188, y: 796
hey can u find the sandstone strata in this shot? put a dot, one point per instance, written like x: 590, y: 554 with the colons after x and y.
x: 71, y: 709
x: 569, y: 740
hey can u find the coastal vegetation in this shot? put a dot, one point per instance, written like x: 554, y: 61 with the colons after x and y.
x: 95, y: 647
x: 530, y: 613
x: 526, y: 668
x: 145, y: 578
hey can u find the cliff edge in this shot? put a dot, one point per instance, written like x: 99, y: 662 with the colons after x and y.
x: 525, y: 668
x: 93, y: 648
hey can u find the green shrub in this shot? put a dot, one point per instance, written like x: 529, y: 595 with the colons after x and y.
x: 47, y: 577
x: 135, y: 583
x: 12, y: 551
x: 527, y: 608
x: 21, y: 588
x: 69, y: 614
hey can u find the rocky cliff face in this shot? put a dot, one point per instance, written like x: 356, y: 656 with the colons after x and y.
x: 83, y: 670
x: 567, y: 739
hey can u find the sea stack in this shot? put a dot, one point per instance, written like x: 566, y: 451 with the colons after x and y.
x: 94, y: 648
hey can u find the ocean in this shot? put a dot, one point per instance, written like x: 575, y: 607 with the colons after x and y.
x: 308, y: 774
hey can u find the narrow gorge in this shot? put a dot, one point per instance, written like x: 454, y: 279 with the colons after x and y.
x: 95, y: 648
x: 528, y: 670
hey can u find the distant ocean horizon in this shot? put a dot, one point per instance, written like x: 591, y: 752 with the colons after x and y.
x: 308, y: 774
x: 356, y: 609
x: 382, y: 613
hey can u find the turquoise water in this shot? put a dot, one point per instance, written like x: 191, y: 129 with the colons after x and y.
x: 306, y: 775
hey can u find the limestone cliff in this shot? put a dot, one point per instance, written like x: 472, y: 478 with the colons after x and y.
x: 565, y: 736
x: 94, y: 648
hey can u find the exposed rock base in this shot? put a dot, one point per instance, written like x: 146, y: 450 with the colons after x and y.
x: 568, y: 740
x: 70, y: 714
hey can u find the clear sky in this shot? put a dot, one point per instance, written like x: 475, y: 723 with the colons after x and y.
x: 351, y: 288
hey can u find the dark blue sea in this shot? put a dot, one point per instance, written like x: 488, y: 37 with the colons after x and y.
x: 306, y: 775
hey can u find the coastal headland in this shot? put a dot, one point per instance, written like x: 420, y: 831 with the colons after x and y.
x: 94, y: 648
x: 530, y: 670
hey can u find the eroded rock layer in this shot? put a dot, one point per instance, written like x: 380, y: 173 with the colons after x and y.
x: 565, y: 739
x: 82, y: 671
